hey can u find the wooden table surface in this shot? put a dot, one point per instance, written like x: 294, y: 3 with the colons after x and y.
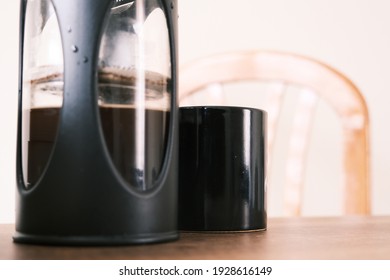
x: 286, y: 238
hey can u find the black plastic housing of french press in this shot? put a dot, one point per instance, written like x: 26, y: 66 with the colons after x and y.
x: 75, y: 184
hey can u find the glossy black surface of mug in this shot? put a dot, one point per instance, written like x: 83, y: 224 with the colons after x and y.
x: 222, y: 169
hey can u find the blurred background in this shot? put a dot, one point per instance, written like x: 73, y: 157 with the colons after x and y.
x: 353, y: 36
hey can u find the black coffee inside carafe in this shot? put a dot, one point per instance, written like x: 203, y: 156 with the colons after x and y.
x: 119, y: 128
x: 136, y: 148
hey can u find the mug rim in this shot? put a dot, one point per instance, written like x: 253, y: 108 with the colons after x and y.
x: 222, y: 107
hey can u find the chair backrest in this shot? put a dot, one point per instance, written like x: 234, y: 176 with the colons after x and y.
x: 316, y: 81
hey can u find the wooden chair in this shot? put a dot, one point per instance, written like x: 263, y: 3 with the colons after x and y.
x: 316, y: 81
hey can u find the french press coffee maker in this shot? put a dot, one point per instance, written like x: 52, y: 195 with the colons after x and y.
x: 97, y: 130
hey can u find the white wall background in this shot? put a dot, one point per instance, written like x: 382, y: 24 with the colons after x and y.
x: 351, y: 35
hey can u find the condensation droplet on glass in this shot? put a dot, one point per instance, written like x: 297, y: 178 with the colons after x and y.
x: 85, y: 59
x: 69, y: 29
x: 74, y: 48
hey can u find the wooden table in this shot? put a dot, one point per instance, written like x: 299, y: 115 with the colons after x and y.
x: 286, y: 238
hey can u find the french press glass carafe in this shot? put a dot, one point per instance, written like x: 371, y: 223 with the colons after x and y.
x: 97, y: 131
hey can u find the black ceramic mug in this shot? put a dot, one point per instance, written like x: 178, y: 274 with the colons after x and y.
x: 222, y: 169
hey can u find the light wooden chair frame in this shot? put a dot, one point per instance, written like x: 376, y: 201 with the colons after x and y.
x: 326, y: 83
